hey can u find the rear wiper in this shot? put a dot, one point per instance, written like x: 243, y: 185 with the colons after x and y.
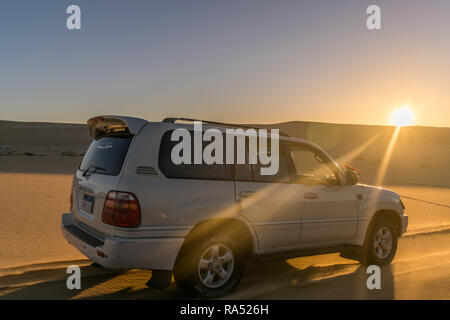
x: 88, y: 170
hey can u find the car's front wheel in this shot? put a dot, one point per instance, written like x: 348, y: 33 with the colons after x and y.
x: 381, y: 243
x: 210, y: 268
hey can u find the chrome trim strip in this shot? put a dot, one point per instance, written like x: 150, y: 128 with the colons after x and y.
x: 305, y: 221
x: 330, y: 220
x: 276, y: 223
x: 155, y: 228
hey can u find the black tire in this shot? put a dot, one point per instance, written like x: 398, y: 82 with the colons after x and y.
x: 377, y: 231
x: 188, y: 276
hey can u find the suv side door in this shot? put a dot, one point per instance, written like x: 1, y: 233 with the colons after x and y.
x: 271, y: 204
x: 331, y: 207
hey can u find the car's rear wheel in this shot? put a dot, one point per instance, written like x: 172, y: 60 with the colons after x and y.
x: 381, y: 243
x: 209, y: 268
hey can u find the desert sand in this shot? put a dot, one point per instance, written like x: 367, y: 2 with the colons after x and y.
x: 37, y: 161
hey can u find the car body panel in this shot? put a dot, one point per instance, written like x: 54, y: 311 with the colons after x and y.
x: 274, y: 210
x: 332, y: 216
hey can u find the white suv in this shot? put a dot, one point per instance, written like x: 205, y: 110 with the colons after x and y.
x: 132, y: 207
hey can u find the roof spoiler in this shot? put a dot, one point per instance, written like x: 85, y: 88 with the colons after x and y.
x: 106, y: 124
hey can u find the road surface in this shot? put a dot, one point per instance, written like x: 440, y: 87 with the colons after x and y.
x: 421, y: 270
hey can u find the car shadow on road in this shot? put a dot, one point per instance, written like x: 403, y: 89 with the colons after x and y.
x: 282, y: 280
x: 96, y: 283
x: 270, y: 280
x: 49, y: 284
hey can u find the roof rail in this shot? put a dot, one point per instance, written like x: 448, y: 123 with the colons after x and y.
x: 224, y: 124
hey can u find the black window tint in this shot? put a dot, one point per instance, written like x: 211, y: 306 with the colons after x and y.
x: 281, y: 176
x: 106, y: 154
x: 243, y: 172
x: 191, y: 171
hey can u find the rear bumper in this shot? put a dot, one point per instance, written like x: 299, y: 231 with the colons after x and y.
x: 404, y: 223
x: 123, y: 253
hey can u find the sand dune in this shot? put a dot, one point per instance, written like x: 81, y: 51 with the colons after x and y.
x: 30, y: 211
x: 44, y: 136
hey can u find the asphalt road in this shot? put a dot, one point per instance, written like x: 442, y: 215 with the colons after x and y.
x: 421, y: 270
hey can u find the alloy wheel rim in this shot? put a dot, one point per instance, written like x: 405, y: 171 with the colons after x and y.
x: 383, y: 243
x: 216, y: 265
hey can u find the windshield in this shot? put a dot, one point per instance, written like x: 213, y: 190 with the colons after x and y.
x: 106, y: 155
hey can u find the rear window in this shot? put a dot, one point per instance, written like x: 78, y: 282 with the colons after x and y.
x: 106, y: 155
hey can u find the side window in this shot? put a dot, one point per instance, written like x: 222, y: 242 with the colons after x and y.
x: 282, y: 174
x: 311, y: 167
x: 240, y: 172
x: 243, y: 171
x: 189, y: 171
x: 252, y: 172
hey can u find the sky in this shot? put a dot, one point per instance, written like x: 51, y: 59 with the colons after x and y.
x: 246, y: 61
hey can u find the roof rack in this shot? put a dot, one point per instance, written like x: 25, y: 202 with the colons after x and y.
x: 224, y: 124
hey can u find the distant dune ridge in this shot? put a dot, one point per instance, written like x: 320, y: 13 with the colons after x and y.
x: 39, y: 147
x: 420, y: 155
x: 44, y: 137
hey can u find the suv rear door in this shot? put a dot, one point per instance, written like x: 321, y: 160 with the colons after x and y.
x: 100, y: 170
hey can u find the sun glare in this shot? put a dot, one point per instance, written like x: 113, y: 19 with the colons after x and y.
x: 402, y: 117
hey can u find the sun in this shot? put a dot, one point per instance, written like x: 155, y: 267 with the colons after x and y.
x: 402, y: 117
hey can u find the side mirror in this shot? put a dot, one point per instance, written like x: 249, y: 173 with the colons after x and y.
x: 351, y: 174
x: 352, y: 177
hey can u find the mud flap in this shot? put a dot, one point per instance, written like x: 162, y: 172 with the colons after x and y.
x: 160, y: 279
x: 353, y: 253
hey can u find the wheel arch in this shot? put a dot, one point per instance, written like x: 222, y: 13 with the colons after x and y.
x: 241, y: 230
x: 389, y: 214
x: 366, y: 257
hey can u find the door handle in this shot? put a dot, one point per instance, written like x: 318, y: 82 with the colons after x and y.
x: 247, y: 194
x: 310, y: 195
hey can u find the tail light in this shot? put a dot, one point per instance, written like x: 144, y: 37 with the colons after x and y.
x: 121, y: 209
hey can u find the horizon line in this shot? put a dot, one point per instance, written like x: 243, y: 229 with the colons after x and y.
x: 267, y: 124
